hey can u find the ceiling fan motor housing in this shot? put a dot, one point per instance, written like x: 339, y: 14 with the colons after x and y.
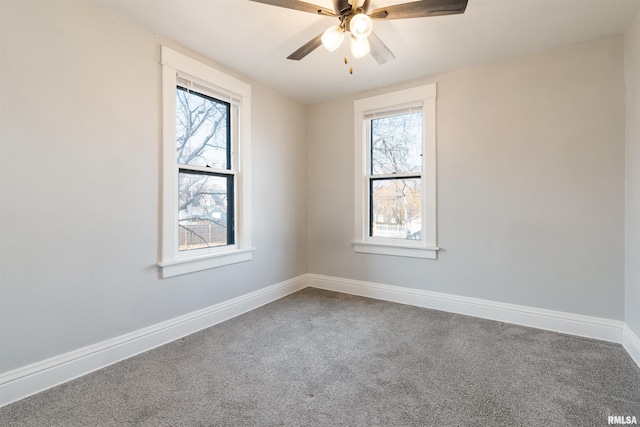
x: 343, y: 7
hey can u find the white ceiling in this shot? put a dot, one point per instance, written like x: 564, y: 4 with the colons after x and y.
x: 255, y: 39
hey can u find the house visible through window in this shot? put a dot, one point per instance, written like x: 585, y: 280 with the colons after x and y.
x: 206, y: 167
x: 395, y: 174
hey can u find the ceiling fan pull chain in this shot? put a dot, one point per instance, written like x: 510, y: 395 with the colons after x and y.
x: 346, y: 59
x: 346, y: 62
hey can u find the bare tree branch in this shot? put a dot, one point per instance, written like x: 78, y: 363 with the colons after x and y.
x: 195, y: 234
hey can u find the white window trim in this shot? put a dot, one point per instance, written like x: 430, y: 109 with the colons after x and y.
x: 427, y: 247
x: 172, y: 261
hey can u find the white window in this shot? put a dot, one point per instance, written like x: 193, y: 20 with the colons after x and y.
x: 395, y: 173
x: 205, y: 167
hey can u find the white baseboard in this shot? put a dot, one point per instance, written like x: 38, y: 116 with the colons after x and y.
x: 631, y: 343
x: 557, y: 321
x: 28, y: 380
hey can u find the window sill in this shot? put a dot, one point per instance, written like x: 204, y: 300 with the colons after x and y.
x: 430, y: 252
x: 190, y: 265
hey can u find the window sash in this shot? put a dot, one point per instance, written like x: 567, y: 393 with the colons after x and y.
x: 370, y: 177
x: 229, y: 172
x: 230, y: 122
x: 372, y: 221
x: 230, y: 205
x: 370, y: 143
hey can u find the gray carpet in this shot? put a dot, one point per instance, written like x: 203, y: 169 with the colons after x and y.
x: 318, y: 358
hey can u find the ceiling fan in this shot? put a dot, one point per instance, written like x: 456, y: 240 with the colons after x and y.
x: 355, y: 19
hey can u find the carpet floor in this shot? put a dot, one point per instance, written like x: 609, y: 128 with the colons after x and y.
x: 319, y: 358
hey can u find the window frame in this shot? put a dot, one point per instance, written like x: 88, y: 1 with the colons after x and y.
x: 422, y: 98
x: 176, y: 68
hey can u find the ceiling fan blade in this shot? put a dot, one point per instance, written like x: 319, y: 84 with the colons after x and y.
x: 306, y: 49
x: 419, y: 9
x: 379, y: 50
x: 298, y: 5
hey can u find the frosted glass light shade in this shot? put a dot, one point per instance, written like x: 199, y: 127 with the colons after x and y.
x: 332, y: 38
x: 360, y: 26
x: 359, y: 47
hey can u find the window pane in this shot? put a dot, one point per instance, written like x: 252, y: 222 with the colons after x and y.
x: 205, y: 215
x: 396, y: 206
x: 202, y: 130
x: 396, y: 144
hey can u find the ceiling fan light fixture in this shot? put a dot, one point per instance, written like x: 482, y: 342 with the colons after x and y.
x: 332, y: 38
x: 359, y: 47
x: 360, y: 25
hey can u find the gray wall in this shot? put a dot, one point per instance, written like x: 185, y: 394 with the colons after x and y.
x: 530, y: 184
x: 632, y: 232
x: 80, y: 185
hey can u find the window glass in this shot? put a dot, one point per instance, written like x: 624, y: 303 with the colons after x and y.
x: 396, y: 208
x: 396, y: 144
x: 205, y: 210
x: 202, y: 130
